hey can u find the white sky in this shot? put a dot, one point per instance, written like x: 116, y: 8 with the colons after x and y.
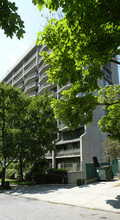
x: 12, y: 49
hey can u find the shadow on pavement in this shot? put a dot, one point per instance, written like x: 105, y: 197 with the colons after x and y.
x: 114, y: 203
x: 44, y: 189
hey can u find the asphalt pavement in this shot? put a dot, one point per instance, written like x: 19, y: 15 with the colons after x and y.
x: 100, y: 195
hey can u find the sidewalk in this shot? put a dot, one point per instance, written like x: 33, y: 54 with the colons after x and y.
x: 101, y: 195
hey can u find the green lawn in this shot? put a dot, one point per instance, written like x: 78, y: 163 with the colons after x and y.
x: 16, y: 182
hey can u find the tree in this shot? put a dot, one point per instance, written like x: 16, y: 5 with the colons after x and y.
x: 42, y: 127
x: 111, y: 148
x: 37, y: 131
x: 12, y: 102
x: 10, y: 21
x: 86, y: 38
x: 109, y: 96
x: 27, y: 127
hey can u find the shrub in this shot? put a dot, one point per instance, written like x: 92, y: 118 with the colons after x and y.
x: 58, y: 175
x: 52, y: 176
x: 57, y: 171
x: 28, y: 175
x: 79, y: 182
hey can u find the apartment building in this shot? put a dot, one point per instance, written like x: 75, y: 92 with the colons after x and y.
x: 74, y: 149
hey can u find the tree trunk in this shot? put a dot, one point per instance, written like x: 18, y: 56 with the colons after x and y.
x: 3, y: 171
x: 21, y: 170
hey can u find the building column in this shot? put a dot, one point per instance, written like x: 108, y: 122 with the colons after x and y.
x: 53, y: 159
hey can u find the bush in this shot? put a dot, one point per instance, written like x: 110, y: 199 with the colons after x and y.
x: 52, y: 176
x: 60, y: 175
x: 79, y: 182
x: 38, y: 171
x: 48, y: 178
x: 28, y: 175
x: 57, y: 171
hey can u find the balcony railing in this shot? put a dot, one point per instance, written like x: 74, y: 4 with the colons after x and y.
x: 44, y: 75
x: 68, y: 152
x: 19, y: 86
x: 48, y: 154
x: 33, y: 94
x: 30, y: 86
x: 31, y: 58
x: 30, y: 67
x: 43, y: 67
x: 73, y: 167
x: 32, y: 75
x: 16, y: 80
x: 19, y: 70
x: 62, y: 126
x: 43, y: 86
x: 67, y: 86
x: 108, y: 65
x: 9, y: 80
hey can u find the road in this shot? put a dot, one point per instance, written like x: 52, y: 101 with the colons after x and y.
x: 17, y: 208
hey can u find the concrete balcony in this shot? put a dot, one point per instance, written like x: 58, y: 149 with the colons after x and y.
x: 30, y: 68
x: 66, y: 87
x: 40, y: 61
x: 48, y: 154
x: 30, y: 59
x: 45, y: 85
x: 71, y: 167
x: 21, y: 86
x: 44, y: 48
x: 18, y: 71
x: 33, y: 94
x: 30, y: 86
x: 108, y: 66
x: 44, y: 67
x: 62, y: 126
x: 20, y: 78
x: 68, y: 153
x: 31, y: 76
x: 9, y: 80
x: 43, y: 78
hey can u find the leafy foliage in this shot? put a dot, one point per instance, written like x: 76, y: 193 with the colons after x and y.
x: 27, y: 127
x: 86, y: 38
x: 110, y: 122
x: 10, y: 21
x: 111, y: 148
x: 42, y: 126
x: 12, y: 106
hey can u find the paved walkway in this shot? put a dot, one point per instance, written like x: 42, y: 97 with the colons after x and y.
x: 100, y: 195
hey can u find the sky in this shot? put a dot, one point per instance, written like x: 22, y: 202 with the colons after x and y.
x: 12, y: 49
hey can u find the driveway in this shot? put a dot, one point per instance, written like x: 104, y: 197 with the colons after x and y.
x: 99, y: 195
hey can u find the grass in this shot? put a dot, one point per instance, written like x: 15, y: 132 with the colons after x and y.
x: 16, y: 182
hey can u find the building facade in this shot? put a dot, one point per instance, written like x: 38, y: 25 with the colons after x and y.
x: 74, y: 149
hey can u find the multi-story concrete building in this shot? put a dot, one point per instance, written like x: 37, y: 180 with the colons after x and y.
x: 76, y: 148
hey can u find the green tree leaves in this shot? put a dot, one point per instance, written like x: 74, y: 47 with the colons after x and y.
x: 110, y: 122
x: 84, y: 40
x: 111, y: 148
x: 10, y: 21
x: 27, y: 127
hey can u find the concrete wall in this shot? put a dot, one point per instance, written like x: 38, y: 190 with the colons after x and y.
x: 73, y: 176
